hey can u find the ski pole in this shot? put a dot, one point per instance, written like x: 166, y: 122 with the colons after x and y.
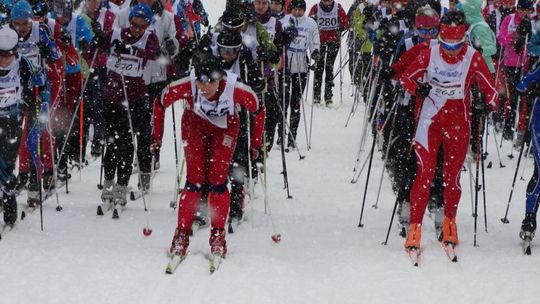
x: 276, y: 236
x: 81, y: 134
x: 391, y: 221
x: 37, y: 125
x: 283, y: 123
x: 497, y: 148
x: 102, y: 166
x: 176, y: 180
x: 367, y: 179
x: 55, y: 173
x: 526, y: 162
x: 340, y: 79
x: 483, y: 119
x: 147, y: 231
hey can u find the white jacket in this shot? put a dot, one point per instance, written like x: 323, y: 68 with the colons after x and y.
x: 307, y: 39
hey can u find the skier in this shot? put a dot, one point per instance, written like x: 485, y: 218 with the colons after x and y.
x: 514, y: 35
x: 210, y: 128
x: 75, y: 35
x: 530, y: 86
x: 332, y: 21
x: 298, y: 62
x: 16, y: 95
x: 130, y: 50
x: 237, y: 59
x: 36, y: 46
x: 101, y: 19
x: 448, y: 70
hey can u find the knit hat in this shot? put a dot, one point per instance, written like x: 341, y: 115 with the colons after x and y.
x: 233, y: 18
x: 525, y: 4
x: 22, y: 11
x: 8, y: 39
x: 142, y: 11
x: 298, y: 4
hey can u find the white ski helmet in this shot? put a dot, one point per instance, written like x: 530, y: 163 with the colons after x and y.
x: 8, y: 39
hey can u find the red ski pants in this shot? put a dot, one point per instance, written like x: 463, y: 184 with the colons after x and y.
x: 208, y: 151
x: 452, y: 135
x: 24, y: 155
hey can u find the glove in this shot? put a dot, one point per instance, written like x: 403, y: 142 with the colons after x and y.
x: 65, y: 36
x: 290, y: 34
x: 98, y: 33
x: 170, y: 47
x: 205, y: 41
x: 519, y: 44
x: 422, y: 89
x: 263, y: 53
x: 44, y: 49
x: 120, y: 47
x: 386, y: 73
x: 524, y: 27
x: 315, y: 56
x: 155, y: 147
x: 205, y: 22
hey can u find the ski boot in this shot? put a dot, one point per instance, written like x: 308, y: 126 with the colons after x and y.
x: 180, y: 243
x: 316, y: 99
x: 22, y: 181
x: 10, y: 209
x: 120, y: 195
x: 404, y: 213
x: 328, y: 101
x: 528, y: 227
x: 62, y: 174
x: 218, y: 245
x: 48, y: 182
x: 449, y: 233
x: 107, y: 193
x: 414, y: 236
x: 33, y: 196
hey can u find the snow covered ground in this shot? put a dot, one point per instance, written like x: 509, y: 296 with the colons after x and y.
x: 323, y: 256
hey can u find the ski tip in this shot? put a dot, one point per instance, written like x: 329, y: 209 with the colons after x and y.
x: 115, y: 214
x: 528, y: 250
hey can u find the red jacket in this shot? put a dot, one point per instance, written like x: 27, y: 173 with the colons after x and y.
x: 403, y: 62
x: 332, y: 35
x: 478, y: 72
x: 243, y: 96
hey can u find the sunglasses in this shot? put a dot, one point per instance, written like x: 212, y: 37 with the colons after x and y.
x: 451, y: 46
x: 427, y: 31
x: 210, y: 77
x: 229, y: 50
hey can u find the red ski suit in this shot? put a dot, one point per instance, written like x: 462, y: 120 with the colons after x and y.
x: 445, y: 121
x: 208, y: 149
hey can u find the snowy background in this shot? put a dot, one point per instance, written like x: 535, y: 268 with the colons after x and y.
x: 323, y: 256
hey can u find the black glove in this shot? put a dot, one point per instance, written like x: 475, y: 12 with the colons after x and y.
x: 205, y: 22
x: 290, y: 34
x: 120, y: 47
x: 205, y: 41
x: 170, y: 47
x: 422, y: 89
x: 65, y: 36
x: 315, y: 56
x: 263, y: 53
x: 519, y: 44
x: 98, y: 33
x: 386, y: 73
x: 44, y: 49
x: 524, y: 28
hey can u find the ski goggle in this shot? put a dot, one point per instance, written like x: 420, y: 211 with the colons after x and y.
x: 209, y: 77
x: 228, y: 50
x: 451, y: 46
x: 427, y: 31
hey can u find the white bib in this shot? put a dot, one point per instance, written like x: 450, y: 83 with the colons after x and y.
x: 10, y: 87
x: 215, y: 111
x: 124, y: 64
x: 29, y: 48
x: 327, y: 20
x: 270, y: 27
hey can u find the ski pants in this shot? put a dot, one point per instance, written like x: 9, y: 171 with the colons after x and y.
x: 10, y: 138
x: 93, y: 96
x: 453, y: 135
x: 119, y: 153
x: 533, y: 188
x: 273, y: 117
x: 64, y: 113
x: 513, y: 76
x: 297, y: 86
x: 24, y: 155
x: 208, y: 151
x: 329, y: 52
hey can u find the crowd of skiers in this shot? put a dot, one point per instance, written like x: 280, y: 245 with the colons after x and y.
x: 101, y: 74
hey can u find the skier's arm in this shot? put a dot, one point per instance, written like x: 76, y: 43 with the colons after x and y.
x: 529, y: 79
x: 505, y: 37
x: 44, y: 37
x: 176, y: 90
x: 314, y: 40
x: 343, y: 18
x: 485, y: 80
x: 245, y: 96
x: 416, y: 70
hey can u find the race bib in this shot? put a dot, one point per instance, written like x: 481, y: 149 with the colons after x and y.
x: 327, y: 23
x: 8, y: 97
x: 451, y: 90
x: 128, y: 65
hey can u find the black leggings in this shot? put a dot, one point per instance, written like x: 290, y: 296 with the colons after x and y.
x: 329, y: 52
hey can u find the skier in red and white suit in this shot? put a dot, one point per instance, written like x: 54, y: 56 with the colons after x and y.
x: 210, y: 126
x: 448, y: 70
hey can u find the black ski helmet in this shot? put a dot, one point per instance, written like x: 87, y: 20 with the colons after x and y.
x: 207, y: 67
x: 229, y: 38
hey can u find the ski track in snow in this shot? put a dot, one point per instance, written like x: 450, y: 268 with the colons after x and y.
x: 323, y: 256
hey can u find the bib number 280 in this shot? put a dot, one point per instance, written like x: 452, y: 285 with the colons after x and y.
x: 327, y: 22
